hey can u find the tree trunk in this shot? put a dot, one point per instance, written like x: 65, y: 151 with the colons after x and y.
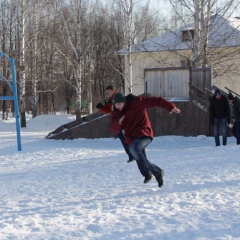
x: 129, y: 45
x: 22, y: 65
x: 78, y: 56
x: 34, y: 80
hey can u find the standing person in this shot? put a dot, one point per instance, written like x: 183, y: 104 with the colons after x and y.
x: 219, y: 114
x: 130, y: 115
x: 107, y: 108
x: 236, y: 112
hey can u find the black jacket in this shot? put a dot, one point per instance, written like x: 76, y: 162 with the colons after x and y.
x: 236, y: 108
x: 219, y: 108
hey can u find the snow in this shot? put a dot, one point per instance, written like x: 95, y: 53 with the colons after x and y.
x: 84, y: 189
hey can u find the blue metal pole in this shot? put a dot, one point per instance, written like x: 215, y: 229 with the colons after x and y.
x: 14, y: 97
x: 16, y: 103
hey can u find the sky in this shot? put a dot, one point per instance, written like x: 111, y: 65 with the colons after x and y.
x: 164, y: 7
x: 84, y: 189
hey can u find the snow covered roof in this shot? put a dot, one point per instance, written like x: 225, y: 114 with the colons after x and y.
x: 224, y: 32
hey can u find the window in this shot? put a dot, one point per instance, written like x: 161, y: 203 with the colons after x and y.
x: 187, y: 35
x: 185, y: 63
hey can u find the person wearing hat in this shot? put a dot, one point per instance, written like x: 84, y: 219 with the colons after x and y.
x: 236, y: 112
x: 219, y: 115
x: 129, y: 114
x: 107, y: 108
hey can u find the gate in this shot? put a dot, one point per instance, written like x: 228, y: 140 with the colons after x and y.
x: 176, y: 82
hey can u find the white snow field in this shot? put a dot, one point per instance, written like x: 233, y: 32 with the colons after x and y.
x: 84, y: 189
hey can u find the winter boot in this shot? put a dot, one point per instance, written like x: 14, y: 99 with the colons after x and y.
x: 160, y: 179
x: 148, y: 178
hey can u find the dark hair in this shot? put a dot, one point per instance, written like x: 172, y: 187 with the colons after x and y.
x: 217, y: 92
x: 110, y: 87
x: 231, y: 97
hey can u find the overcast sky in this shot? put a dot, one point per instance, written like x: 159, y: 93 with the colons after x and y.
x: 161, y: 5
x: 164, y: 6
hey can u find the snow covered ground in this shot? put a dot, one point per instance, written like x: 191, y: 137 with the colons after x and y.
x: 84, y: 189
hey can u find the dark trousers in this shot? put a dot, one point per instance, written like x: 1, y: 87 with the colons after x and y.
x: 236, y: 131
x: 137, y: 149
x: 216, y: 128
x: 122, y: 139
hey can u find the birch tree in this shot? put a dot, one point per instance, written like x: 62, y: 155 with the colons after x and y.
x: 36, y: 13
x: 127, y: 7
x: 87, y: 38
x: 8, y: 20
x: 73, y: 29
x: 138, y: 25
x: 200, y: 13
x: 22, y: 27
x: 78, y: 51
x: 29, y: 16
x: 3, y: 67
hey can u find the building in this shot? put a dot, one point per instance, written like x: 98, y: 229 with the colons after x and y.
x: 174, y: 49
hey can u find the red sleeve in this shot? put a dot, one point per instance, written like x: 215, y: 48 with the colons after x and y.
x: 107, y: 108
x: 149, y: 102
x: 115, y: 126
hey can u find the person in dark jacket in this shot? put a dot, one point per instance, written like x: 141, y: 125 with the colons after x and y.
x: 130, y: 115
x: 219, y: 115
x: 236, y: 112
x: 107, y: 108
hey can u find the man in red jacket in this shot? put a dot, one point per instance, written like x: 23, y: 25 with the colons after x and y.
x: 130, y: 115
x: 107, y: 108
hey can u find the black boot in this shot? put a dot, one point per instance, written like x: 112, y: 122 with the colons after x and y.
x: 130, y: 160
x: 148, y: 178
x: 160, y: 179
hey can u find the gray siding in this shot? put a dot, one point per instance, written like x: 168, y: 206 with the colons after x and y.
x: 174, y: 82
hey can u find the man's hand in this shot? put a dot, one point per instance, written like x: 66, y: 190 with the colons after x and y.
x: 175, y: 110
x: 99, y: 105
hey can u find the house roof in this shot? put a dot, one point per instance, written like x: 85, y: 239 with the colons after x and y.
x: 224, y: 32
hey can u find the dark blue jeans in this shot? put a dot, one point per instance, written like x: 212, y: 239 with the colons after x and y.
x: 122, y: 139
x: 236, y: 131
x: 216, y: 127
x: 137, y: 149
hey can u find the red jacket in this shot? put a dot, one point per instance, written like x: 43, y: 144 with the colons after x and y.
x: 136, y: 122
x: 107, y: 107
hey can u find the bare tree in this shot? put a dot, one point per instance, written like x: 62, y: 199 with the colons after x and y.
x: 3, y: 64
x: 22, y: 23
x: 127, y: 9
x: 202, y: 13
x: 139, y: 23
x: 60, y: 46
x: 8, y: 34
x: 73, y: 26
x: 36, y: 15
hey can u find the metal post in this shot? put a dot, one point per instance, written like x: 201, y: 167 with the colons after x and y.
x: 16, y: 103
x: 14, y: 97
